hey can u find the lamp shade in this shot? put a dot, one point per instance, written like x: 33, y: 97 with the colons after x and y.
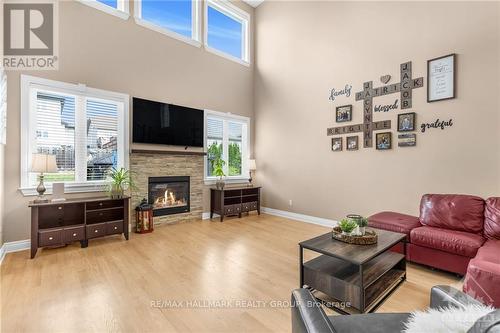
x: 252, y: 165
x: 43, y: 163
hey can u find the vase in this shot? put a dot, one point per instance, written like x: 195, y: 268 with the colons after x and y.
x: 362, y: 231
x: 116, y: 191
x: 219, y: 184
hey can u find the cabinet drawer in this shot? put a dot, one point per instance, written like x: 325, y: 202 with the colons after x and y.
x: 228, y: 210
x: 245, y: 207
x: 114, y: 228
x: 249, y: 191
x: 49, y: 237
x: 237, y: 208
x: 73, y: 234
x: 104, y: 204
x: 104, y: 215
x: 253, y: 205
x: 96, y: 230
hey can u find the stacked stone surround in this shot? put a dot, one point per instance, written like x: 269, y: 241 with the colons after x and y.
x: 145, y: 165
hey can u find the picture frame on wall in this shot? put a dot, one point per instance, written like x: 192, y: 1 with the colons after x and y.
x: 407, y: 140
x: 343, y: 113
x: 352, y: 143
x: 336, y: 144
x: 383, y: 141
x: 441, y: 83
x: 406, y: 122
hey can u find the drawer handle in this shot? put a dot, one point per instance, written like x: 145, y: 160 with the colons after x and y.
x: 100, y: 214
x: 74, y: 234
x: 51, y: 238
x: 100, y: 203
x: 116, y: 228
x: 59, y: 207
x: 96, y: 231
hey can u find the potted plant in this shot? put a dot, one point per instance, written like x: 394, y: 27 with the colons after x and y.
x: 362, y: 223
x: 218, y: 170
x: 121, y: 180
x: 347, y: 226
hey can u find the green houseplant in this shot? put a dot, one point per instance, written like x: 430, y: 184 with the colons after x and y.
x: 347, y: 225
x: 121, y: 180
x: 218, y: 171
x: 362, y: 223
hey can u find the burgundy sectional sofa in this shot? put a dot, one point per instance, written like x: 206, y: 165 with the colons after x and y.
x: 456, y: 233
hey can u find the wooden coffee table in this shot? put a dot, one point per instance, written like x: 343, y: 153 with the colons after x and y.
x: 353, y: 278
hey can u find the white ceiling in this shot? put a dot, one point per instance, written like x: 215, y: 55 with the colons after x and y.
x: 254, y: 3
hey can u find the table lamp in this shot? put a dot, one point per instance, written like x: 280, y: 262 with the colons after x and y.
x: 252, y: 166
x: 42, y: 163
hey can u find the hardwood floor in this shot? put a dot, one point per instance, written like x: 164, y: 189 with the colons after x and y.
x: 112, y: 284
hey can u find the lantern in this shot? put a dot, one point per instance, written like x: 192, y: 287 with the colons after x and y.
x: 144, y: 217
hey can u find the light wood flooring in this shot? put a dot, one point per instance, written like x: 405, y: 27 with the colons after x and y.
x: 246, y: 267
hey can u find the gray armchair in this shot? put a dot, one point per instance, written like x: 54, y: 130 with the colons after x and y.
x: 309, y: 317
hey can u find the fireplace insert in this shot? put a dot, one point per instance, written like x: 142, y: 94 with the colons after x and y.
x: 169, y: 195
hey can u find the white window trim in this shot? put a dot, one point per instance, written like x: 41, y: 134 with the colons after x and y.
x: 245, y: 156
x: 28, y: 82
x: 195, y: 24
x: 123, y: 10
x: 237, y: 14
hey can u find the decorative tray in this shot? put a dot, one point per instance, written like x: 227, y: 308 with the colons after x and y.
x: 369, y: 238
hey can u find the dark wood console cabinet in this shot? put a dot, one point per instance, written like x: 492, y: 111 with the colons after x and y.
x: 234, y: 201
x: 60, y: 223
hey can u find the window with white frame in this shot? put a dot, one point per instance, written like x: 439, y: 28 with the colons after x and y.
x: 85, y: 128
x: 227, y: 30
x: 176, y: 18
x: 227, y: 138
x: 119, y: 8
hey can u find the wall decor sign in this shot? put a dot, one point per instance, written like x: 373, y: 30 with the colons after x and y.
x: 387, y: 107
x: 441, y: 78
x: 336, y: 144
x: 343, y: 113
x: 407, y: 140
x: 437, y: 124
x: 346, y: 91
x: 352, y: 142
x: 404, y: 87
x: 384, y: 141
x: 385, y: 79
x: 406, y: 122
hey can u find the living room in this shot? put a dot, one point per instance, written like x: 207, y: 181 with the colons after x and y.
x: 302, y: 164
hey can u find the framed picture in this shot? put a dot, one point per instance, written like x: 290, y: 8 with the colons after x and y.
x: 384, y: 141
x: 336, y: 144
x: 352, y: 142
x: 406, y: 122
x: 343, y: 113
x: 407, y: 140
x: 441, y: 78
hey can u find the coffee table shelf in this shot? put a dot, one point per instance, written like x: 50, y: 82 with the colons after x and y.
x: 361, y: 275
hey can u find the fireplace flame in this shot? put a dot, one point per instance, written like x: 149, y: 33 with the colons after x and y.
x: 168, y: 200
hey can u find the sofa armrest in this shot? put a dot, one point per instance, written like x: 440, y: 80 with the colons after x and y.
x: 446, y: 296
x: 307, y: 314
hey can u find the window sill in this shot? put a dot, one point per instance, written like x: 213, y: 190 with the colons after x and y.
x: 105, y: 8
x: 167, y: 32
x: 68, y: 188
x: 238, y: 180
x: 227, y: 56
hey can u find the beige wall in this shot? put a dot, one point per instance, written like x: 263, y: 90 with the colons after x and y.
x: 105, y: 52
x: 2, y: 199
x: 306, y: 48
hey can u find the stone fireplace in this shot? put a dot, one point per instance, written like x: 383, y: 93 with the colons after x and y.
x: 165, y: 173
x: 169, y: 195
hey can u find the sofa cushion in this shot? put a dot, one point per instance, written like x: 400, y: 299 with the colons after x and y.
x: 492, y: 218
x: 451, y: 241
x: 452, y: 211
x: 490, y: 251
x: 396, y: 222
x: 370, y: 323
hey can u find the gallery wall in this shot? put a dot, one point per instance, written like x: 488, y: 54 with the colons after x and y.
x: 106, y: 52
x: 304, y: 49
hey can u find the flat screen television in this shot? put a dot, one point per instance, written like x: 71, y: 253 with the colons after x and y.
x: 166, y: 124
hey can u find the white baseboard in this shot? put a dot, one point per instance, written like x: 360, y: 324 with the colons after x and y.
x: 300, y: 217
x: 206, y: 216
x: 16, y: 246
